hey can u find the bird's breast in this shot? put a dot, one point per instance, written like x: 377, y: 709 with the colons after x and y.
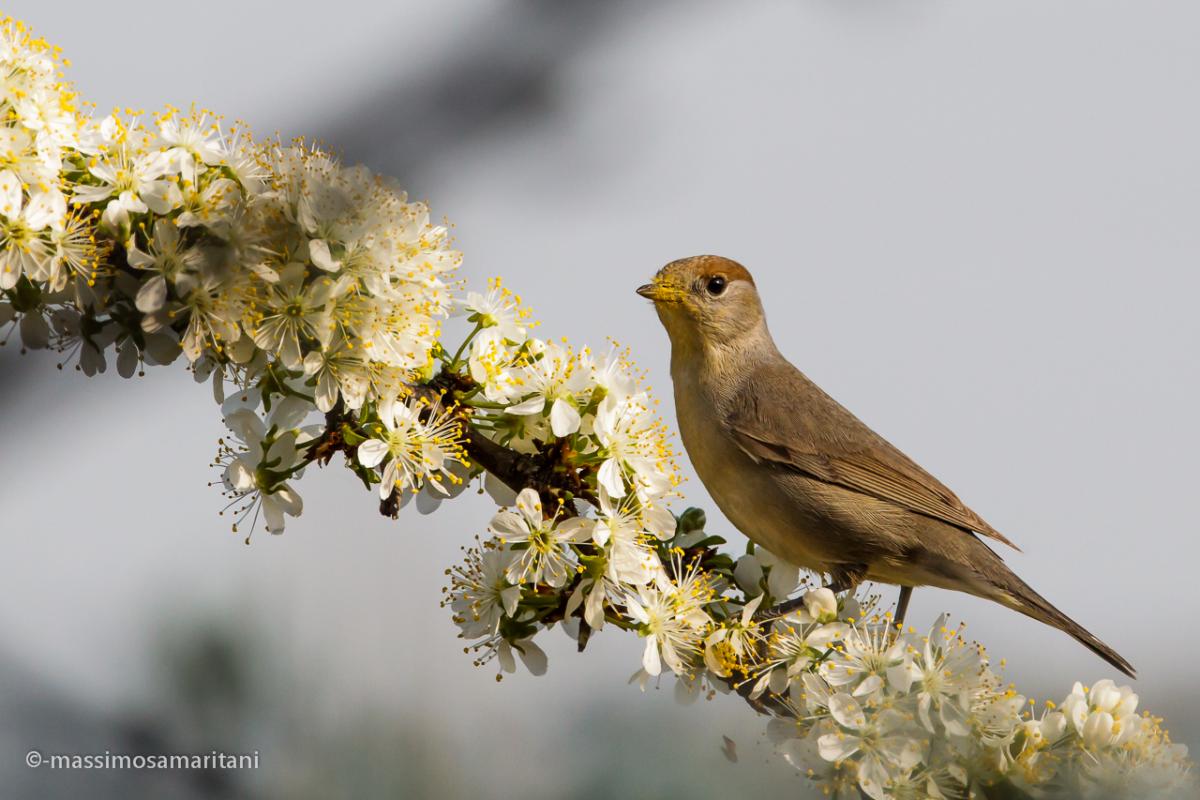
x: 759, y: 502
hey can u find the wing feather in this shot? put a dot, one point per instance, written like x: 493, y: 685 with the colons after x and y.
x: 856, y: 458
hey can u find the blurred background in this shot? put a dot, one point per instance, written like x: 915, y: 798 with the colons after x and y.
x: 974, y: 224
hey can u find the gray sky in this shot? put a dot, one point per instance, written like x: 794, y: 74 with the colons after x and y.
x: 974, y: 225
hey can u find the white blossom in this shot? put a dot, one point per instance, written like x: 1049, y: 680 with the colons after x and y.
x: 541, y: 544
x: 634, y: 447
x: 883, y: 744
x: 416, y: 445
x: 481, y: 593
x: 266, y: 454
x: 551, y: 381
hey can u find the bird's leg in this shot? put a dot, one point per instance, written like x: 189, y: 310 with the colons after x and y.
x: 846, y: 577
x: 782, y: 609
x: 902, y: 606
x: 843, y: 583
x: 841, y: 580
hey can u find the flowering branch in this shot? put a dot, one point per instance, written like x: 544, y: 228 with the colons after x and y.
x: 312, y: 296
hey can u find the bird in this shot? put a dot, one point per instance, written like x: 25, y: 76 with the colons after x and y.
x: 801, y: 476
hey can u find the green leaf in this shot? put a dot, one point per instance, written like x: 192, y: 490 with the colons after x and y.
x: 514, y: 631
x: 707, y: 541
x: 25, y: 296
x: 351, y: 436
x: 718, y: 562
x: 693, y: 519
x: 593, y: 566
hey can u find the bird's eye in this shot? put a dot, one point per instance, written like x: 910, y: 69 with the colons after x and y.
x: 715, y: 285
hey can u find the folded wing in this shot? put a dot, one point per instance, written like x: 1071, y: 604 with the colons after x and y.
x: 855, y: 457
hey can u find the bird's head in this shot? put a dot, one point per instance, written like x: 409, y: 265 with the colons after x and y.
x: 705, y: 301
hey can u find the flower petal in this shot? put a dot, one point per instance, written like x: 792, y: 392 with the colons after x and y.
x: 371, y: 452
x: 289, y: 500
x: 650, y: 659
x: 509, y: 597
x: 318, y: 251
x: 530, y: 506
x: 870, y: 685
x: 593, y: 609
x: 509, y: 525
x: 837, y: 746
x: 846, y: 711
x: 611, y: 479
x: 659, y: 521
x: 533, y: 656
x: 10, y: 194
x: 533, y: 405
x: 564, y: 418
x: 239, y: 476
x: 900, y: 677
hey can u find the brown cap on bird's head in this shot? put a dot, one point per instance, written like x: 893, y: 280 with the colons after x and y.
x: 709, y: 266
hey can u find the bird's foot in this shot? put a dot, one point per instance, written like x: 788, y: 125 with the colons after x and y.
x: 902, y: 607
x: 781, y: 609
x: 839, y: 584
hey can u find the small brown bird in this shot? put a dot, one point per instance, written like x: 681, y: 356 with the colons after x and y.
x: 800, y: 475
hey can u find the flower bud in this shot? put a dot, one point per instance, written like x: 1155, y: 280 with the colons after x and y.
x: 1098, y: 730
x: 1053, y: 726
x: 821, y: 604
x: 1105, y: 696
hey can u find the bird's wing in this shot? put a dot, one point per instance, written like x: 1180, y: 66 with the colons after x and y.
x: 789, y: 422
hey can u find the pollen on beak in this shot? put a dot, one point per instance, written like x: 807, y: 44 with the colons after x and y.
x: 661, y: 291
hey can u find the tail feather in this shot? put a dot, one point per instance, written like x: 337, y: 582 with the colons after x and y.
x: 1020, y: 597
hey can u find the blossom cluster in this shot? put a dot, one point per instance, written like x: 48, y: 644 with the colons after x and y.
x: 271, y: 268
x: 313, y: 297
x: 599, y: 549
x: 865, y: 706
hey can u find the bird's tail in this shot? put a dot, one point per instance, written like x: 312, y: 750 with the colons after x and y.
x: 1019, y: 596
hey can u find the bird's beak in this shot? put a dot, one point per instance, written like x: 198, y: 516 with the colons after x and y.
x: 662, y: 290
